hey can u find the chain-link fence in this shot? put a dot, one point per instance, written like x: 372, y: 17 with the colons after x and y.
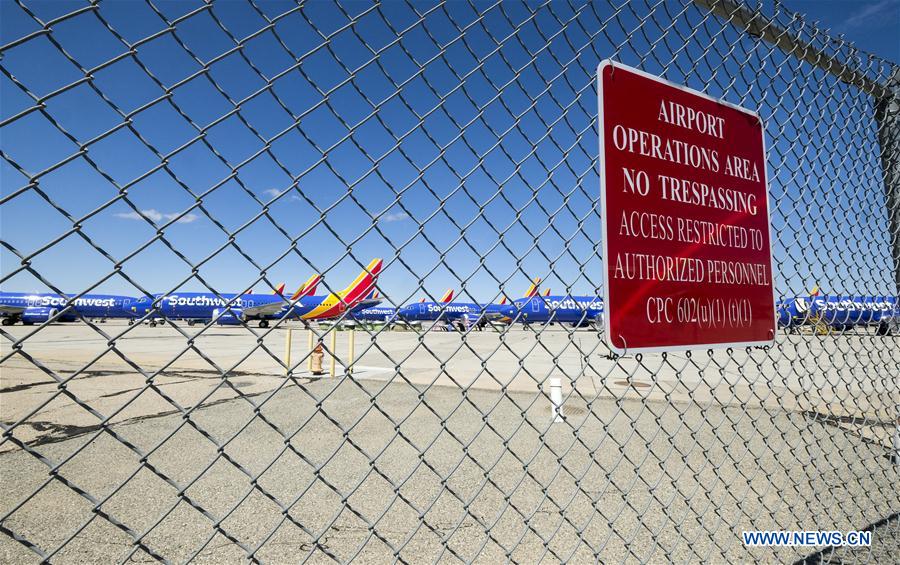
x: 156, y: 148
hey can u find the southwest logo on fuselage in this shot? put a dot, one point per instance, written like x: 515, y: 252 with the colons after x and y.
x: 577, y: 310
x: 39, y: 308
x: 449, y: 311
x: 838, y: 311
x: 83, y: 301
x: 232, y: 308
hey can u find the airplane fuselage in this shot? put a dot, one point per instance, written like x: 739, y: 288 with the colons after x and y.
x: 576, y: 310
x: 35, y: 308
x: 838, y: 311
x: 444, y: 311
x: 227, y: 307
x: 376, y: 314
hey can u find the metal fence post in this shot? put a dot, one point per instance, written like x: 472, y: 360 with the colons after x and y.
x: 887, y: 118
x: 351, y: 350
x: 287, y: 351
x: 333, y: 351
x: 310, y: 345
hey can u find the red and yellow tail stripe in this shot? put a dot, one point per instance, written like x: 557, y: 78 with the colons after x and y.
x: 279, y: 290
x: 503, y: 301
x: 533, y: 289
x: 336, y: 303
x: 308, y: 288
x: 546, y: 292
x: 448, y: 296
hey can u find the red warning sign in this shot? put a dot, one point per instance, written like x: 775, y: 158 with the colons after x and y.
x: 688, y: 259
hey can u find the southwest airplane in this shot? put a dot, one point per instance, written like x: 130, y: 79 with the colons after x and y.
x: 306, y: 289
x: 384, y: 314
x: 453, y: 312
x: 546, y: 309
x: 840, y: 312
x: 232, y: 309
x: 38, y: 308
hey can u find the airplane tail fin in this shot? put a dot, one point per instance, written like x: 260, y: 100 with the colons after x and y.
x: 503, y: 301
x: 279, y: 290
x: 448, y: 296
x: 308, y: 288
x: 421, y: 300
x: 249, y: 291
x: 533, y: 289
x: 546, y: 292
x: 814, y: 291
x: 362, y: 285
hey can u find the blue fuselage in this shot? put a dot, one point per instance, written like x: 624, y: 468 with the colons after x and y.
x: 374, y: 314
x: 206, y: 305
x: 32, y: 308
x: 449, y: 312
x: 576, y: 310
x: 837, y: 311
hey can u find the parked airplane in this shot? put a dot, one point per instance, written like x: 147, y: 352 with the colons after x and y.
x: 575, y: 310
x: 306, y: 289
x: 840, y: 312
x: 232, y: 309
x: 458, y: 312
x: 384, y: 314
x: 38, y: 308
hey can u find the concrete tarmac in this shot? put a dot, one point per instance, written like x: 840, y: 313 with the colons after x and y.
x: 437, y: 446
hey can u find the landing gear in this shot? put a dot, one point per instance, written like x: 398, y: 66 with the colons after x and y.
x: 264, y: 323
x: 7, y: 321
x: 191, y: 322
x: 152, y: 323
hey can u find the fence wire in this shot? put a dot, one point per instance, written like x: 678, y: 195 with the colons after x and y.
x: 167, y: 147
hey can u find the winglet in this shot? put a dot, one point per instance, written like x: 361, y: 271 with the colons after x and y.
x: 308, y: 288
x: 448, y: 296
x: 546, y: 292
x: 421, y: 300
x: 533, y: 289
x: 279, y: 290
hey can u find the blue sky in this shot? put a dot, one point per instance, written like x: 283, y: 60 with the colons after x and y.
x: 454, y: 156
x: 871, y: 25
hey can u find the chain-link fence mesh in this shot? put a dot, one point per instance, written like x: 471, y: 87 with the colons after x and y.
x: 155, y: 147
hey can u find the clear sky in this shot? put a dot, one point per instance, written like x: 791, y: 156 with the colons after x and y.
x: 466, y: 151
x: 871, y: 25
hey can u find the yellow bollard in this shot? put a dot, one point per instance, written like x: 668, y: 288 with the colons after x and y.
x: 309, y: 347
x: 351, y: 351
x: 288, y: 338
x: 333, y: 350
